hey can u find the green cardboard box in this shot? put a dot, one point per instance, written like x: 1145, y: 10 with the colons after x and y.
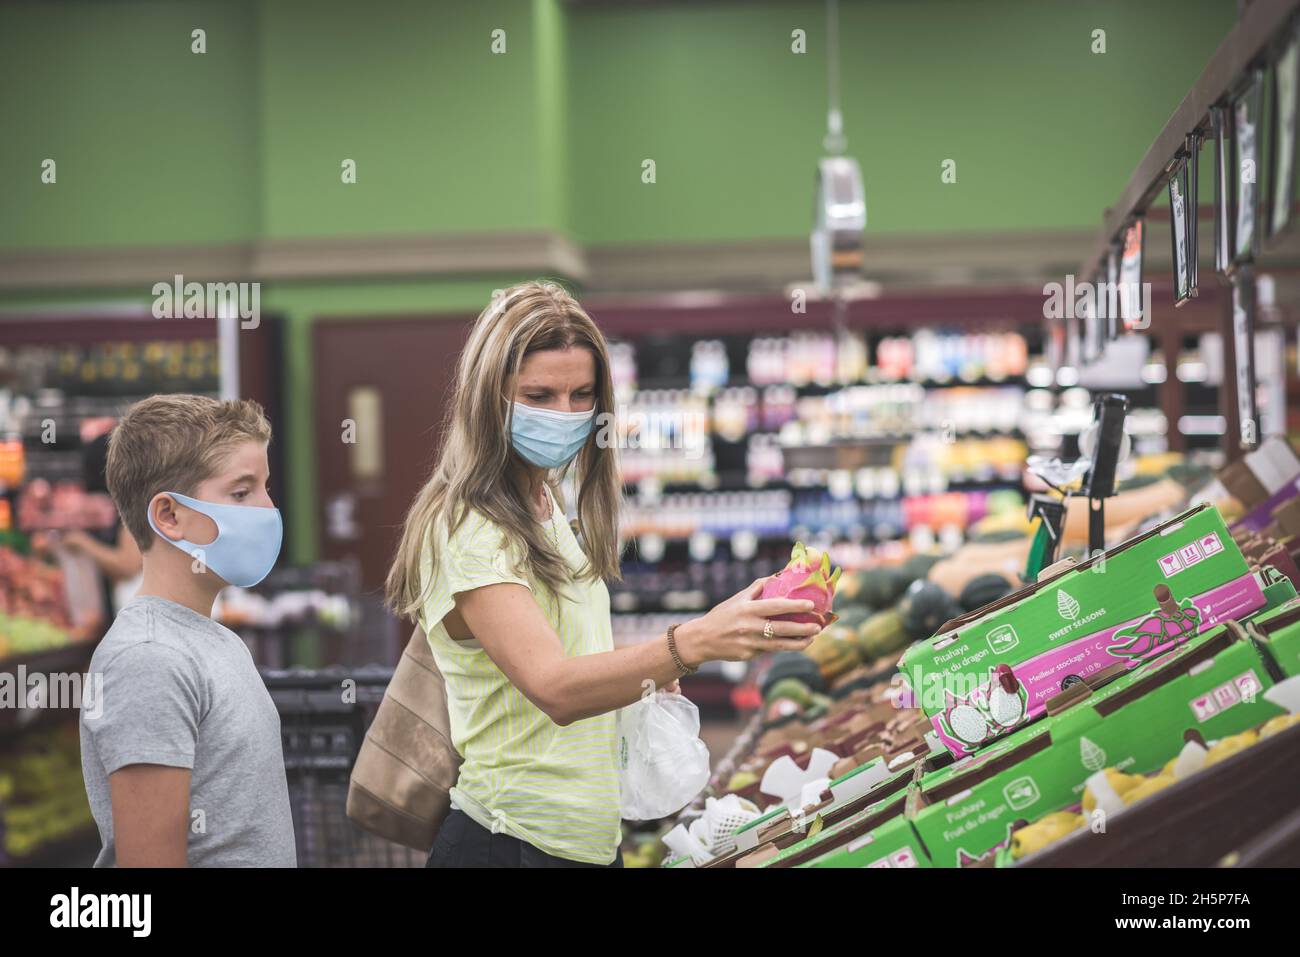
x: 892, y: 844
x: 855, y: 830
x: 993, y: 670
x: 845, y: 797
x: 1212, y: 685
x: 1277, y: 633
x: 1277, y: 588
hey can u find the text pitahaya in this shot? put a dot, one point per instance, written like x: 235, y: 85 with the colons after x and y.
x: 808, y: 576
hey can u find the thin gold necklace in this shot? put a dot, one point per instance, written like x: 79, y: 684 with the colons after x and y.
x: 550, y: 520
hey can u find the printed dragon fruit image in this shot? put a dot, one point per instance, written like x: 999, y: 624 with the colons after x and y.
x: 987, y: 711
x: 1163, y: 630
x: 808, y: 576
x: 967, y: 859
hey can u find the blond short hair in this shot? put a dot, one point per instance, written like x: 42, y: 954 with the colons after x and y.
x: 171, y: 443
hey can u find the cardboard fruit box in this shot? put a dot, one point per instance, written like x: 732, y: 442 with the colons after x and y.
x: 1262, y: 514
x: 844, y: 797
x: 858, y: 830
x: 808, y: 846
x: 1210, y: 687
x: 1196, y: 821
x: 993, y: 670
x: 1278, y: 589
x: 1277, y: 633
x: 892, y: 844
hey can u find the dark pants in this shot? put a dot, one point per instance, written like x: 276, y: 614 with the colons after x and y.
x: 463, y: 842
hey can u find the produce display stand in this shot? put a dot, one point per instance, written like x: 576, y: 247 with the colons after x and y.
x: 1235, y: 810
x: 23, y: 728
x: 1278, y: 846
x: 1242, y: 809
x: 1238, y: 811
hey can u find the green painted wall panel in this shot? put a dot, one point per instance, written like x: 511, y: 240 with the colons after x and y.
x: 734, y: 119
x: 153, y: 144
x: 444, y: 132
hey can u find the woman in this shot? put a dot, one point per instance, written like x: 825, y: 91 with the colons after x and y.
x: 514, y: 602
x: 113, y: 550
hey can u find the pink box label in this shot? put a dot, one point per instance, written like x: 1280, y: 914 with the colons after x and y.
x: 1225, y: 696
x: 1248, y: 686
x: 1041, y: 676
x: 1171, y: 564
x: 1204, y: 708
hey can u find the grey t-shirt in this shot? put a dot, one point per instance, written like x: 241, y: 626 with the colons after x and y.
x: 181, y: 690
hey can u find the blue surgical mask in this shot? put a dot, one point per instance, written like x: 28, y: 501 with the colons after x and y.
x: 247, y: 543
x: 549, y: 439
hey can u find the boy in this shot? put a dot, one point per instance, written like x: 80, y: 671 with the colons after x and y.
x: 184, y: 764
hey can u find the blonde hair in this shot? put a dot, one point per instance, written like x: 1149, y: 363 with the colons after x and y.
x: 171, y: 443
x: 473, y: 471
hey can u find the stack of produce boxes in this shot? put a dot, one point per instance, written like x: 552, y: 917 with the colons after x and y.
x: 878, y: 746
x: 1210, y: 688
x: 1277, y: 633
x: 1112, y: 663
x: 1107, y: 665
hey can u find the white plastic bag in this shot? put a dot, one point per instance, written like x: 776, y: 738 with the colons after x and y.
x: 662, y: 762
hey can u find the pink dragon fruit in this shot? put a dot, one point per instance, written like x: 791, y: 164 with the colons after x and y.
x: 808, y: 576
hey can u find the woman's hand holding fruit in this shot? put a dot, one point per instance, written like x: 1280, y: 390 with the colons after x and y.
x: 783, y: 612
x: 733, y: 630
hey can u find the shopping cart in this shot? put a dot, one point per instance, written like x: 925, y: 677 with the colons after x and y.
x: 323, y: 719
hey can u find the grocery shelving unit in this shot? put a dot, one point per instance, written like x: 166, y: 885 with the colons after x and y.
x: 675, y: 567
x: 835, y: 485
x: 1260, y: 25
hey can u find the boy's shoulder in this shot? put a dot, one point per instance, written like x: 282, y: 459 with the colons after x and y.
x: 161, y: 625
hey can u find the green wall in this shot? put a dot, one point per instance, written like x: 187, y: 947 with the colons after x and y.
x: 156, y: 145
x: 153, y: 144
x: 1044, y: 132
x: 444, y: 132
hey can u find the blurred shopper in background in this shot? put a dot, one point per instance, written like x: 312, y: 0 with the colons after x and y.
x: 113, y: 550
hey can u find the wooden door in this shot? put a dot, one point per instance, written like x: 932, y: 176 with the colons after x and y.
x: 380, y: 392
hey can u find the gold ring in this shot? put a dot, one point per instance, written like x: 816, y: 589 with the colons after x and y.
x: 767, y: 629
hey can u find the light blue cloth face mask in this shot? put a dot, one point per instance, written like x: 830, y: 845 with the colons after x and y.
x: 247, y: 543
x: 549, y: 439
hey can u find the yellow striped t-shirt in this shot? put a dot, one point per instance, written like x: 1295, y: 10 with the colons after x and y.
x: 556, y: 788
